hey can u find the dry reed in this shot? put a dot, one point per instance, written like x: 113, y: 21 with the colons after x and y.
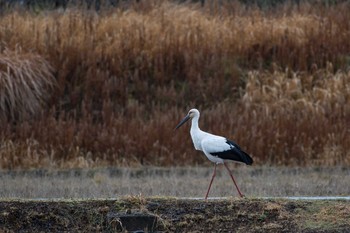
x: 274, y: 81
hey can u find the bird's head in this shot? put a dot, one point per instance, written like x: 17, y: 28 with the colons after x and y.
x: 191, y: 114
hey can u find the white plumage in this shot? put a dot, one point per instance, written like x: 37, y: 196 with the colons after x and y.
x: 214, y: 144
x: 216, y: 148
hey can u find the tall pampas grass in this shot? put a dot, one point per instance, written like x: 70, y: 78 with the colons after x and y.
x: 26, y: 82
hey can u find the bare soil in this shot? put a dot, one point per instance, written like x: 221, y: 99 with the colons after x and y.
x: 174, y: 215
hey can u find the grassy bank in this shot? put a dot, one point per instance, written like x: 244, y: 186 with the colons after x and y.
x: 174, y: 182
x: 81, y: 88
x: 175, y: 215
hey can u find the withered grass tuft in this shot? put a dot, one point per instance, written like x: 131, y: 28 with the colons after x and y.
x: 26, y: 80
x: 275, y: 81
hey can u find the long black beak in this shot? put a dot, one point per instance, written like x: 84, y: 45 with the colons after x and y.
x: 183, y: 122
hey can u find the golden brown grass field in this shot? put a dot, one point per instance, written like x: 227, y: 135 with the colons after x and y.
x: 84, y: 88
x: 89, y: 99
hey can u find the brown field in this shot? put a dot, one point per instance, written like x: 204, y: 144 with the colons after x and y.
x: 81, y: 88
x: 137, y: 214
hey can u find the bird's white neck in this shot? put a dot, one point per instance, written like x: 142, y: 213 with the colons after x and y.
x: 194, y: 124
x: 196, y: 133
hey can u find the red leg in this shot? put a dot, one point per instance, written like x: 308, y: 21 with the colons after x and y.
x: 212, y: 178
x: 233, y: 179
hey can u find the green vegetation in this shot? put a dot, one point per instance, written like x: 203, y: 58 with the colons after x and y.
x: 325, y: 215
x: 117, y: 81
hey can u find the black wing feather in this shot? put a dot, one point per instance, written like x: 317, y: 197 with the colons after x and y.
x: 235, y: 153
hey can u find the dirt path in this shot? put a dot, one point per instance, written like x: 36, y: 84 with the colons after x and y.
x: 174, y: 215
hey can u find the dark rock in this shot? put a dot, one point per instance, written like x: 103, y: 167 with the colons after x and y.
x: 134, y: 222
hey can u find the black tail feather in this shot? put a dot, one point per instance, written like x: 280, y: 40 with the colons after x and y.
x: 246, y: 158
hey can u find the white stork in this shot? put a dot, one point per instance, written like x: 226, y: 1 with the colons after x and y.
x: 216, y: 148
